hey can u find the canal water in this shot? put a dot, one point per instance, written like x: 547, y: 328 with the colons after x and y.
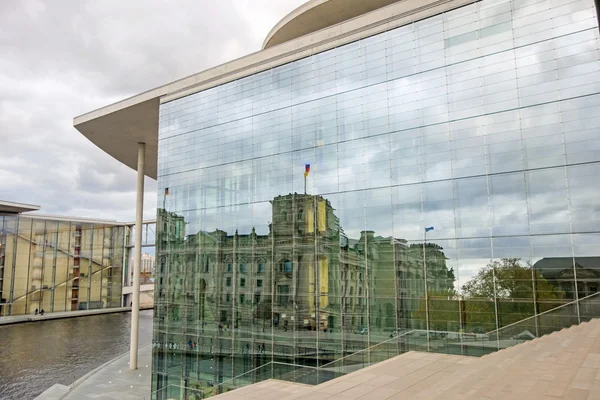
x: 36, y: 355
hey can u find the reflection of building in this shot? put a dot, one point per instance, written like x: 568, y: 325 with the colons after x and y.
x: 147, y: 268
x: 304, y: 277
x: 313, y: 275
x: 564, y: 272
x: 58, y: 264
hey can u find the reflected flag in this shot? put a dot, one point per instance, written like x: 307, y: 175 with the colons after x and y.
x: 306, y: 169
x: 429, y: 228
x: 166, y: 191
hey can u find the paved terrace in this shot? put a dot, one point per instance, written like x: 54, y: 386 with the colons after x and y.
x: 562, y: 365
x: 111, y: 381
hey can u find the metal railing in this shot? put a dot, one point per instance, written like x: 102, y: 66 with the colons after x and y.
x: 447, y: 342
x: 177, y: 392
x: 555, y: 319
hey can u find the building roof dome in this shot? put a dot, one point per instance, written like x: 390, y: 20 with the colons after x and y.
x: 315, y: 15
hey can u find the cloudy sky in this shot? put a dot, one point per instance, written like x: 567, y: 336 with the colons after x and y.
x: 62, y: 58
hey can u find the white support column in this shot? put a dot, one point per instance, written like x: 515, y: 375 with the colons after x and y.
x: 139, y: 215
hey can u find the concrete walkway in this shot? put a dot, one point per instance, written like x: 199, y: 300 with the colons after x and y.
x: 111, y: 381
x: 18, y: 319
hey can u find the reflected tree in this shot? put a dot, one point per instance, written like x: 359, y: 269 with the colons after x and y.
x: 513, y: 289
x: 509, y: 279
x: 443, y: 310
x: 505, y: 291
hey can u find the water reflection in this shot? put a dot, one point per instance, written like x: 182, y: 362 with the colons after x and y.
x: 35, y: 356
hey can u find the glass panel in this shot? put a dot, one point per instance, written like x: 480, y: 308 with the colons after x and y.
x: 35, y: 287
x: 85, y: 247
x: 7, y: 258
x: 293, y: 241
x: 49, y: 273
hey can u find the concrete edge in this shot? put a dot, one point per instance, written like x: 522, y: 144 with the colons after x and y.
x: 76, y: 314
x: 54, y: 392
x: 81, y: 380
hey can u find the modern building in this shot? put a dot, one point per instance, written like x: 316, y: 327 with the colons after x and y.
x: 57, y: 263
x: 298, y: 186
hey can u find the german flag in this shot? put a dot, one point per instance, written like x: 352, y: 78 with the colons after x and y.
x: 306, y: 170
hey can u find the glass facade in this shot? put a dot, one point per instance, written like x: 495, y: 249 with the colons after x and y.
x: 58, y: 265
x: 481, y: 123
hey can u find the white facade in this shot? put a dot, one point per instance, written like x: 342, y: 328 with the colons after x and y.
x: 147, y: 263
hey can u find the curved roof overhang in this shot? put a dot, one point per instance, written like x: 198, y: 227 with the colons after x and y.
x: 118, y: 128
x: 10, y: 207
x: 315, y: 15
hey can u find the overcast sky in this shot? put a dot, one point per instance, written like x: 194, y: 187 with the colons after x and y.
x: 62, y: 58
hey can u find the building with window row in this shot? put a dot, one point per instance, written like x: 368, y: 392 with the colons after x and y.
x: 58, y: 264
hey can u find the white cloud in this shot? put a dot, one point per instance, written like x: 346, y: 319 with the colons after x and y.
x: 62, y: 60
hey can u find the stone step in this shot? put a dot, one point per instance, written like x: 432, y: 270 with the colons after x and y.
x: 561, y: 365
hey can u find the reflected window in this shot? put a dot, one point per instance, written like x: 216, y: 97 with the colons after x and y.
x: 261, y: 268
x: 228, y: 297
x: 286, y: 266
x: 257, y: 298
x: 228, y: 281
x: 242, y: 282
x: 283, y: 293
x: 242, y: 267
x: 229, y: 267
x: 242, y: 299
x: 259, y: 283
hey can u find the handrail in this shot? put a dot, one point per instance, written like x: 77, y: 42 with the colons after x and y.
x: 375, y: 345
x: 545, y: 312
x: 403, y: 334
x: 264, y: 365
x: 245, y: 373
x: 174, y: 385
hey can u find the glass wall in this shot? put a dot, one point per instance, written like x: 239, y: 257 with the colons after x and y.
x: 57, y: 266
x: 480, y: 124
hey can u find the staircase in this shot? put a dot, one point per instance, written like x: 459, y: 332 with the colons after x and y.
x: 562, y: 365
x: 537, y: 355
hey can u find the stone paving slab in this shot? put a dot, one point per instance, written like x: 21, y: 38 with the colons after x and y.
x: 266, y: 390
x: 116, y: 381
